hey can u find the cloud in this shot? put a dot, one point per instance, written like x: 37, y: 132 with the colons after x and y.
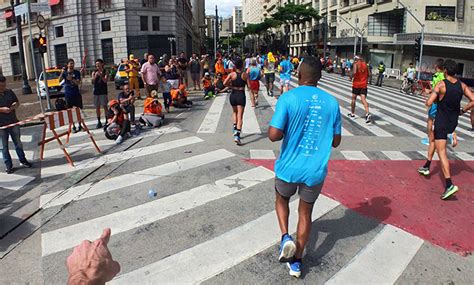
x: 224, y: 7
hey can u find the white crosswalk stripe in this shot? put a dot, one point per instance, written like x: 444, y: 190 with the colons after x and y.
x: 395, y: 155
x: 262, y: 154
x: 14, y: 181
x: 115, y: 157
x: 23, y: 138
x: 250, y: 123
x: 29, y: 154
x: 354, y: 155
x: 211, y: 121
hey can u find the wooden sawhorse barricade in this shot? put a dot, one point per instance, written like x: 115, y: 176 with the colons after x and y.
x: 58, y: 119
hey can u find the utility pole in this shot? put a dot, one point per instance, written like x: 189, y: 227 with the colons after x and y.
x: 216, y: 34
x: 422, y: 36
x: 325, y: 36
x: 26, y: 89
x: 33, y: 53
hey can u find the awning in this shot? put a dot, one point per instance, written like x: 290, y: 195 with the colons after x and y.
x: 7, y: 14
x: 54, y: 2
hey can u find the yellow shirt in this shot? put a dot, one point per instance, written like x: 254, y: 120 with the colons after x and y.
x: 295, y: 60
x: 134, y: 67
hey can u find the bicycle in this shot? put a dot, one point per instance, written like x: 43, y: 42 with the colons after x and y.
x: 407, y: 86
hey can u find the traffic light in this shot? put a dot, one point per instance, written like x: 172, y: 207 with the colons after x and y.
x: 42, y: 44
x: 417, y: 48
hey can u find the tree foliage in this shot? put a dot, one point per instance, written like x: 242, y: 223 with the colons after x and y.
x: 297, y: 14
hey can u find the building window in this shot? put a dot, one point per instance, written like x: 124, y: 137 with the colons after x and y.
x: 440, y: 13
x: 144, y: 23
x: 150, y: 3
x: 155, y: 23
x: 13, y: 41
x: 105, y: 25
x: 58, y: 9
x: 386, y: 24
x: 60, y: 52
x: 105, y: 4
x: 108, y: 51
x: 16, y: 63
x: 59, y: 32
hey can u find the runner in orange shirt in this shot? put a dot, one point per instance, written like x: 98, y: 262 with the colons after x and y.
x: 359, y: 86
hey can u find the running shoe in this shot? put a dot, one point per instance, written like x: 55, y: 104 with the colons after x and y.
x: 119, y: 140
x: 287, y: 248
x: 99, y: 125
x: 237, y: 140
x: 351, y: 115
x: 449, y: 192
x: 368, y: 118
x: 425, y: 171
x: 295, y: 268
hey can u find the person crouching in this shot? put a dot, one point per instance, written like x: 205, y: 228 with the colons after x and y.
x: 180, y: 97
x: 153, y: 111
x: 118, y: 124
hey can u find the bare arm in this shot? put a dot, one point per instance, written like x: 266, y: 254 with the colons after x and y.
x: 275, y: 134
x: 336, y: 140
x: 228, y: 79
x: 434, y: 94
x: 468, y: 93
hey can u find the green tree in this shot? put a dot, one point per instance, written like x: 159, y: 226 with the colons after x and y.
x: 296, y: 14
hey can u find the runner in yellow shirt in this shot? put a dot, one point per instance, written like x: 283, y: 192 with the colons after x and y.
x: 132, y: 70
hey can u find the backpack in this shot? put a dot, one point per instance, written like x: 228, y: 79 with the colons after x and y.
x: 60, y: 104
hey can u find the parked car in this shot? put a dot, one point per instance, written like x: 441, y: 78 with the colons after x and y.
x: 121, y: 77
x: 53, y: 78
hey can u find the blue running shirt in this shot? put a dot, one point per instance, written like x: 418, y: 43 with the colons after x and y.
x: 286, y: 69
x: 309, y: 118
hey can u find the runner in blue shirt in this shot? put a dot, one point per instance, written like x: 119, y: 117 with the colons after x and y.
x: 308, y: 120
x: 285, y: 69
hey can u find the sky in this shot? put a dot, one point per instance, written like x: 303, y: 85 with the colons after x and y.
x: 224, y: 7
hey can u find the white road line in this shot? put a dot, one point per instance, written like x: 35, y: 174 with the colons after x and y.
x: 398, y: 123
x: 388, y: 99
x: 23, y: 138
x: 262, y: 154
x: 464, y: 155
x: 130, y: 179
x: 115, y: 157
x: 144, y: 214
x: 250, y: 123
x: 28, y: 153
x: 370, y: 127
x: 105, y: 143
x: 425, y: 154
x: 396, y: 155
x: 382, y: 261
x: 214, y: 256
x: 354, y: 155
x: 212, y: 118
x: 14, y: 181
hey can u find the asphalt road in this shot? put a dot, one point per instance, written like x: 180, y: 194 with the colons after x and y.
x: 213, y: 218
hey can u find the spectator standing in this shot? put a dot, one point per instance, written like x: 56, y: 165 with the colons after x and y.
x: 183, y: 69
x: 150, y: 74
x: 172, y: 73
x: 195, y: 67
x: 205, y: 64
x: 8, y: 104
x: 71, y: 79
x: 99, y: 81
x: 132, y: 70
x: 144, y: 59
x: 381, y: 69
x: 165, y: 87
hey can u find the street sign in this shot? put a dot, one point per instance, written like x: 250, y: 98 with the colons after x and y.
x: 39, y: 7
x: 41, y: 22
x: 21, y: 9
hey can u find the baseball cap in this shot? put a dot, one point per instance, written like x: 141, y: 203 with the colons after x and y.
x: 131, y: 57
x: 206, y: 74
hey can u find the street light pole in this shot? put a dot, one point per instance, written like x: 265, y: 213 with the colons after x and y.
x: 26, y: 89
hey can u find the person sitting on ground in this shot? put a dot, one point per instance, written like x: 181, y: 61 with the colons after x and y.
x: 165, y: 87
x: 118, y: 124
x: 126, y: 99
x: 207, y: 85
x: 180, y: 97
x: 219, y: 84
x: 152, y: 111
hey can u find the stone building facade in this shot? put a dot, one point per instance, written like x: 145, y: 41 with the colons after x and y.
x: 109, y: 29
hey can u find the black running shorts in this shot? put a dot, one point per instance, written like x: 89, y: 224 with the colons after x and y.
x: 237, y: 98
x: 359, y: 91
x: 306, y: 193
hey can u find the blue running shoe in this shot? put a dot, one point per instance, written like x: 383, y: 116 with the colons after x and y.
x: 287, y: 248
x: 425, y: 141
x: 295, y: 268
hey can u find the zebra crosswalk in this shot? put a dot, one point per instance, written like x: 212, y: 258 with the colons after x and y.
x: 213, y: 220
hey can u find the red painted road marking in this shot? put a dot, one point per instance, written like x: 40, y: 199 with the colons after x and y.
x: 394, y: 193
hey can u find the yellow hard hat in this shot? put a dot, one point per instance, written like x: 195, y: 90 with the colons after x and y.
x: 131, y: 57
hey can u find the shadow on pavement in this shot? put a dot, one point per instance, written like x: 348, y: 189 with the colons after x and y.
x: 344, y: 227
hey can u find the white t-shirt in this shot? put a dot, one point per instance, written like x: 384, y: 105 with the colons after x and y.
x: 411, y: 73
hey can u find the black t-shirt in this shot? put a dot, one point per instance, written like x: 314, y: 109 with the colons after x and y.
x: 123, y: 95
x: 182, y: 63
x: 195, y: 66
x: 172, y: 73
x: 6, y: 100
x: 100, y: 87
